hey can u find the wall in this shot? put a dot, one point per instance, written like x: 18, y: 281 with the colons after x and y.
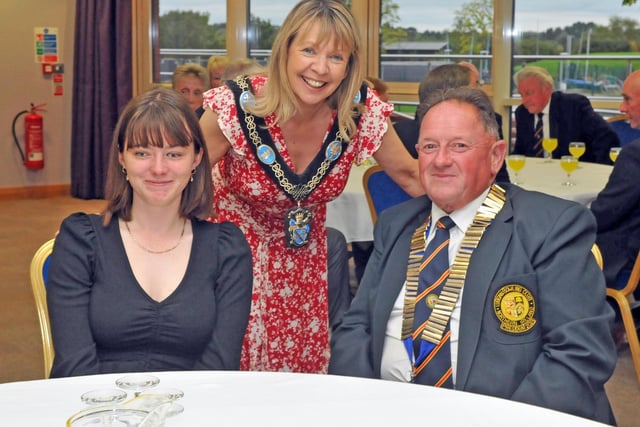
x: 22, y: 82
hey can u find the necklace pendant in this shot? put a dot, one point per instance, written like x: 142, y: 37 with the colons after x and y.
x: 266, y: 154
x: 333, y: 150
x: 297, y: 227
x: 247, y: 100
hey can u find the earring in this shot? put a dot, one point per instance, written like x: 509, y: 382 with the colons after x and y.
x: 124, y: 172
x: 193, y: 172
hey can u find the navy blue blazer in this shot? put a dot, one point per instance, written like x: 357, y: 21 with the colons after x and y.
x: 538, y: 241
x: 617, y: 212
x: 571, y: 118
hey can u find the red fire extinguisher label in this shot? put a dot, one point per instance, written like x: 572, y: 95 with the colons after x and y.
x: 35, y: 152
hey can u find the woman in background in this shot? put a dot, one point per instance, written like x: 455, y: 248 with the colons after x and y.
x: 191, y: 80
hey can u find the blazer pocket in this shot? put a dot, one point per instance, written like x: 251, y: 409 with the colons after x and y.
x: 511, y: 313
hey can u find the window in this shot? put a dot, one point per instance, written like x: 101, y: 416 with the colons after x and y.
x: 588, y: 50
x: 187, y: 31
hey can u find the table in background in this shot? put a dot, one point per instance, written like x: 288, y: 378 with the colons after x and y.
x: 227, y: 398
x: 590, y: 179
x: 350, y: 212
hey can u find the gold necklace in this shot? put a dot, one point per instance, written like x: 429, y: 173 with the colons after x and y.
x: 152, y: 251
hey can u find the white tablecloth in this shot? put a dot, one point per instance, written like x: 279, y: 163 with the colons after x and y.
x: 350, y: 214
x: 590, y: 179
x: 278, y: 399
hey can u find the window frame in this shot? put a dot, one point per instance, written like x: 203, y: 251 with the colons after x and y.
x: 367, y: 13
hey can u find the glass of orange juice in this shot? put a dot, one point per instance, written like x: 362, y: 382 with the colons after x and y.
x: 549, y: 144
x: 516, y: 162
x: 569, y: 164
x: 577, y: 149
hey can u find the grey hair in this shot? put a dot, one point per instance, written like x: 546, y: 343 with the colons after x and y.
x: 467, y: 95
x: 539, y: 73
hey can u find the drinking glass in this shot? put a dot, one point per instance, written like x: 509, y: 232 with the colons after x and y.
x: 103, y: 403
x: 137, y: 382
x: 516, y: 162
x: 103, y: 396
x: 569, y: 164
x: 577, y: 149
x: 549, y: 144
x: 613, y: 153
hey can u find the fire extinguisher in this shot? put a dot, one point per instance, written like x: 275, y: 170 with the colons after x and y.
x: 33, y: 154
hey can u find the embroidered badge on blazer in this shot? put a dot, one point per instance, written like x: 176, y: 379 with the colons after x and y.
x: 515, y: 307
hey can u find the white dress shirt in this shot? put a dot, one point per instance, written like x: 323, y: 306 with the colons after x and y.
x: 395, y: 360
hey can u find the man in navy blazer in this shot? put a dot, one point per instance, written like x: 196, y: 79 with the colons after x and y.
x: 567, y: 116
x: 556, y: 350
x: 617, y: 207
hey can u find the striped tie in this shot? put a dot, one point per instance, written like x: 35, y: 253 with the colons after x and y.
x: 537, y: 137
x: 433, y: 362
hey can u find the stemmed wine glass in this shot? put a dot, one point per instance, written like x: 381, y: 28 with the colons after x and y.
x: 549, y: 144
x: 577, y: 149
x: 569, y: 164
x: 137, y: 382
x: 613, y: 153
x: 516, y: 162
x: 104, y: 403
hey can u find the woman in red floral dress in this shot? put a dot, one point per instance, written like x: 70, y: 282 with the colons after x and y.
x: 284, y: 144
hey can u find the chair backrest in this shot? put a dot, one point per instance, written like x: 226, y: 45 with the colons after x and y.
x: 38, y: 273
x: 381, y: 191
x: 626, y: 134
x: 597, y: 254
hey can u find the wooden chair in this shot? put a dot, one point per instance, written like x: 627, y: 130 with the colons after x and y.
x: 381, y: 191
x: 626, y: 302
x: 620, y: 124
x: 38, y: 273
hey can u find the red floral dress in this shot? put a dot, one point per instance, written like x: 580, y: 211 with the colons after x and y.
x: 289, y: 323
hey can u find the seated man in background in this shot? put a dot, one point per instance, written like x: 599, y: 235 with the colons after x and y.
x: 513, y: 319
x: 446, y: 76
x: 617, y: 207
x: 380, y: 87
x: 191, y: 80
x: 565, y: 116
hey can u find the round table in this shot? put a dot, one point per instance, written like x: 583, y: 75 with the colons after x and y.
x: 232, y: 398
x: 547, y: 176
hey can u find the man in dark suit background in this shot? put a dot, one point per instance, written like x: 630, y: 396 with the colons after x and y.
x: 617, y: 207
x: 566, y: 116
x: 443, y: 77
x: 523, y: 328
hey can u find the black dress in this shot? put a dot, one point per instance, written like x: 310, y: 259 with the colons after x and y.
x: 103, y: 321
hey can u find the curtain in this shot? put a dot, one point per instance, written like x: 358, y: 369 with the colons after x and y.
x: 102, y: 85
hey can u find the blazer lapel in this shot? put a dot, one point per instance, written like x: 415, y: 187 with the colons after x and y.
x: 482, y: 269
x: 397, y: 255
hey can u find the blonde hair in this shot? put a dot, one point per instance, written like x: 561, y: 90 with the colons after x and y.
x: 195, y: 70
x: 336, y: 22
x: 217, y: 61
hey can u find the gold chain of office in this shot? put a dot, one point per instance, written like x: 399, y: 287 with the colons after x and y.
x: 441, y: 313
x: 297, y: 191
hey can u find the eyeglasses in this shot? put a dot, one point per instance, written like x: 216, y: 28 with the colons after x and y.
x: 455, y: 147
